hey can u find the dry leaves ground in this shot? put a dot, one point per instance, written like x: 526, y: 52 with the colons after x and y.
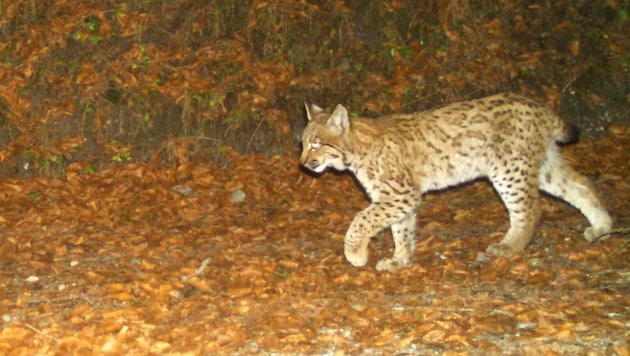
x: 149, y: 259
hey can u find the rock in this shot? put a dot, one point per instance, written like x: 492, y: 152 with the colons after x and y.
x: 482, y: 257
x: 183, y: 190
x: 237, y: 196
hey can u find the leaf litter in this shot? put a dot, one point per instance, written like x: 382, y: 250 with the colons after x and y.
x: 148, y: 259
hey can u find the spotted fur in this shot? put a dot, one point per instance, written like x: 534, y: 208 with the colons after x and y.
x: 507, y: 138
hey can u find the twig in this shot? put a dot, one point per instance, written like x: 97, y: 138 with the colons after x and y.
x: 619, y: 248
x: 29, y: 326
x: 53, y: 300
x: 450, y: 309
x: 620, y: 231
x: 202, y: 268
x: 251, y: 139
x: 184, y: 138
x: 85, y: 297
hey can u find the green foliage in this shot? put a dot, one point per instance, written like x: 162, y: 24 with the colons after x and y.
x: 93, y: 23
x: 33, y: 195
x: 283, y: 272
x: 89, y: 31
x: 89, y: 170
x: 122, y: 156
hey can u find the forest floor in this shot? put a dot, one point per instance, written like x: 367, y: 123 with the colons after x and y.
x: 224, y: 245
x: 146, y: 259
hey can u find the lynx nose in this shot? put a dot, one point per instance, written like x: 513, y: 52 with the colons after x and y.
x: 304, y: 158
x: 315, y: 166
x: 312, y: 165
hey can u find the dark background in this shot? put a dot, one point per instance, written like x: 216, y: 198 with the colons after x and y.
x: 100, y: 83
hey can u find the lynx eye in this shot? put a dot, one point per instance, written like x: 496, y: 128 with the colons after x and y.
x: 315, y: 145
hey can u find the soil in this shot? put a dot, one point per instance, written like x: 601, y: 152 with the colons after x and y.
x: 246, y: 258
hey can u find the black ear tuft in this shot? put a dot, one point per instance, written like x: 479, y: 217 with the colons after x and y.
x: 308, y: 106
x: 311, y: 109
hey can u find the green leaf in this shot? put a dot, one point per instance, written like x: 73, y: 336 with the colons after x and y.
x: 34, y: 194
x: 89, y: 170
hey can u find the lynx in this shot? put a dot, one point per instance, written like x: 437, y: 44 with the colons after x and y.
x: 507, y: 138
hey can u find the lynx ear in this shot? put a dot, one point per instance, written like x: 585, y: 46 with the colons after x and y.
x: 339, y: 119
x: 311, y: 109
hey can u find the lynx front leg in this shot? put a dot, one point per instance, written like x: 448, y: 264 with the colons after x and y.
x: 368, y: 223
x: 365, y: 224
x: 403, y: 233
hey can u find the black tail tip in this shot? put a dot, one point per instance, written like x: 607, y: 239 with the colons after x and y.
x: 572, y: 135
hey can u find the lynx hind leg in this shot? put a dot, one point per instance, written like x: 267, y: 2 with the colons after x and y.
x: 403, y: 233
x: 561, y: 180
x: 521, y: 198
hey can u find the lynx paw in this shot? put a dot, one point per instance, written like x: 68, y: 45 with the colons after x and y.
x: 358, y: 257
x: 591, y: 234
x: 501, y: 250
x: 391, y: 265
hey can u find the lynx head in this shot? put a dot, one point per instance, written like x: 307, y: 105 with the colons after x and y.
x: 325, y: 139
